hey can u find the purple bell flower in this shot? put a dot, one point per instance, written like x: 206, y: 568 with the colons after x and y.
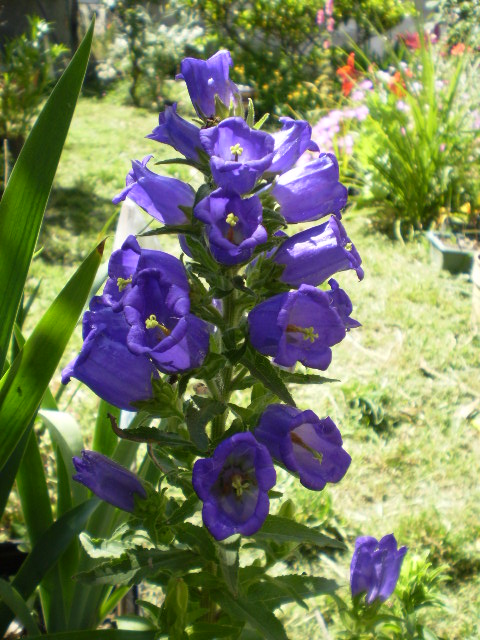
x: 233, y: 485
x: 290, y: 142
x: 375, y: 567
x: 178, y: 133
x: 108, y: 480
x: 106, y: 365
x: 157, y: 310
x: 312, y: 191
x: 207, y: 78
x: 305, y: 444
x: 313, y: 255
x: 129, y: 259
x: 233, y: 225
x: 239, y: 155
x: 297, y: 326
x: 342, y: 305
x: 160, y: 196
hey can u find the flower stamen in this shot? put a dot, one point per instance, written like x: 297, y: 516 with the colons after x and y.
x: 236, y: 150
x: 296, y: 439
x: 238, y: 485
x: 152, y: 323
x: 122, y: 283
x: 349, y: 246
x: 308, y: 332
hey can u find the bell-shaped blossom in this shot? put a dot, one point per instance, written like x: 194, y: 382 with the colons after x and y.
x: 233, y: 225
x: 177, y: 132
x: 238, y: 154
x: 131, y: 258
x: 160, y: 196
x: 375, y: 567
x: 313, y: 255
x: 304, y: 444
x: 312, y: 191
x: 206, y: 79
x: 105, y: 363
x: 291, y: 141
x: 108, y: 480
x: 342, y: 304
x: 233, y: 485
x: 297, y: 326
x: 161, y: 327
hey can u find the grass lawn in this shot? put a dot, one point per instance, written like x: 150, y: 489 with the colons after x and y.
x: 409, y: 393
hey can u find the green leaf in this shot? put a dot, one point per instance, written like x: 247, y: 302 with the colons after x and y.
x: 228, y: 556
x: 208, y: 630
x: 23, y: 385
x: 261, y: 367
x: 289, y: 588
x: 136, y: 565
x: 198, y: 418
x: 257, y: 616
x: 27, y: 191
x: 17, y: 604
x: 9, y: 471
x: 280, y: 529
x: 197, y: 539
x: 46, y: 552
x: 104, y: 439
x: 157, y: 436
x: 164, y: 401
x: 102, y: 634
x: 262, y: 121
x: 304, y: 378
x: 251, y: 114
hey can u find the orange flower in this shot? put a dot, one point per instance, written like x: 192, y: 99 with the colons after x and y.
x: 458, y: 49
x: 397, y: 85
x: 348, y: 75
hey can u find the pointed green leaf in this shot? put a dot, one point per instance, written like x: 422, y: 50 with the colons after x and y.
x: 261, y: 367
x: 250, y: 113
x: 27, y: 191
x: 281, y: 530
x: 17, y: 604
x: 290, y: 588
x: 23, y: 385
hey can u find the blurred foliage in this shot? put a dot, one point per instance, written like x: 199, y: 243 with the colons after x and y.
x: 146, y: 42
x: 417, y: 153
x: 28, y: 67
x: 296, y: 71
x: 461, y: 18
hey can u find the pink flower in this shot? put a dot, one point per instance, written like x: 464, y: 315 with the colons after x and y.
x: 330, y: 25
x: 329, y: 7
x: 320, y: 17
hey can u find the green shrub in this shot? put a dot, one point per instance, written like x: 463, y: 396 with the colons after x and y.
x: 418, y: 150
x: 28, y: 68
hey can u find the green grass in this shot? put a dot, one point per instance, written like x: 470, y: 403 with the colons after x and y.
x: 409, y: 393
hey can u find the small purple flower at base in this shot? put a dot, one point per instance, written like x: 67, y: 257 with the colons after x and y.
x: 233, y: 225
x: 298, y: 326
x: 108, y: 480
x: 161, y: 327
x: 106, y: 365
x: 305, y: 444
x: 233, y: 485
x: 312, y: 191
x: 238, y: 155
x: 291, y: 141
x: 160, y: 196
x: 207, y: 78
x: 375, y: 567
x: 313, y: 255
x: 178, y: 133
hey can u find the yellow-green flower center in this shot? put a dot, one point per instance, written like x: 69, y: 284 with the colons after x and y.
x: 238, y: 485
x: 236, y: 150
x: 349, y: 246
x: 151, y: 323
x: 122, y: 283
x: 308, y: 332
x: 232, y: 219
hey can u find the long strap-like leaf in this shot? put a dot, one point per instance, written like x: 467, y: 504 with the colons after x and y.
x: 22, y: 387
x: 27, y: 191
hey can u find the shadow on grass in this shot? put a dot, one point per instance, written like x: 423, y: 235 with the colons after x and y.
x: 73, y: 219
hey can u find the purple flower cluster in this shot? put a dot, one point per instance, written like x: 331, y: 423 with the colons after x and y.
x: 140, y: 325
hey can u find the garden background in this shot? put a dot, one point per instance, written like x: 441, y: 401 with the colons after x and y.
x: 404, y: 121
